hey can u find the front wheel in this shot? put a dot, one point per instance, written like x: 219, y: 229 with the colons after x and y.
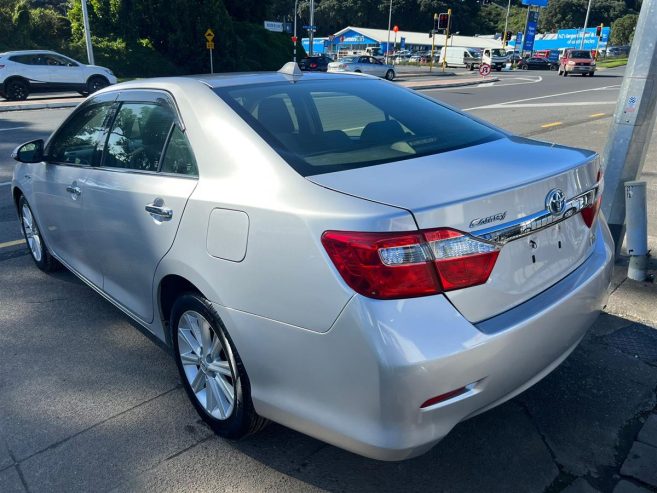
x: 37, y: 246
x: 390, y: 74
x: 525, y: 67
x: 211, y: 369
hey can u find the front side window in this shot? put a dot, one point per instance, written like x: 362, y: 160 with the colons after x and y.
x: 77, y: 141
x: 137, y: 137
x: 321, y: 126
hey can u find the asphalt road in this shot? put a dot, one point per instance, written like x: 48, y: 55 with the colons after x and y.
x: 88, y: 403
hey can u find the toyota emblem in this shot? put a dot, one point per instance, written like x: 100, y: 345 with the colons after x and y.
x: 555, y: 201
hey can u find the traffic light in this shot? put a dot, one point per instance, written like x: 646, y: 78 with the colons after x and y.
x: 507, y: 37
x: 435, y: 23
x: 598, y: 30
x: 443, y: 21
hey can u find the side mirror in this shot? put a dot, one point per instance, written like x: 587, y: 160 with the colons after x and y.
x: 30, y: 152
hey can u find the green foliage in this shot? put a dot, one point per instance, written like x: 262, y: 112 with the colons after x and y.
x: 622, y: 30
x: 560, y: 14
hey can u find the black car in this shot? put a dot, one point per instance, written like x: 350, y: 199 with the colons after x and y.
x: 314, y: 63
x: 537, y: 63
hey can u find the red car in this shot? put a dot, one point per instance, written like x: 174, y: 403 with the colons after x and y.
x: 577, y: 62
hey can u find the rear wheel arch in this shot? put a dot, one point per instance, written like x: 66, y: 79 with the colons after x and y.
x: 171, y: 287
x: 17, y: 193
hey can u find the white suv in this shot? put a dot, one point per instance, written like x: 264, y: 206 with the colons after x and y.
x: 23, y: 72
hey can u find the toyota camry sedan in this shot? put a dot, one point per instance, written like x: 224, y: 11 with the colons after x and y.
x: 332, y: 252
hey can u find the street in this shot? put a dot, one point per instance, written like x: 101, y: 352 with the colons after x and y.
x: 89, y: 403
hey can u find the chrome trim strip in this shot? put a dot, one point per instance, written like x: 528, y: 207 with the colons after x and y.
x: 538, y: 221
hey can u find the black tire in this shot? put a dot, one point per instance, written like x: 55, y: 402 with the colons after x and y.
x: 357, y: 71
x: 17, y: 90
x: 242, y: 420
x: 565, y: 73
x: 46, y: 262
x: 96, y: 83
x: 553, y: 67
x: 525, y: 67
x: 591, y: 74
x: 469, y: 67
x: 390, y: 74
x: 499, y: 69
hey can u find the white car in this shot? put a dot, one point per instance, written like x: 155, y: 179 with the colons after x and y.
x: 27, y: 71
x: 363, y: 64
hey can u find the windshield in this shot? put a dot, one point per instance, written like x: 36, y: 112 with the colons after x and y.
x: 580, y: 54
x: 321, y: 126
x: 348, y: 59
x: 499, y: 53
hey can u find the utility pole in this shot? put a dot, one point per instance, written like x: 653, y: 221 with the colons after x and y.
x: 586, y: 22
x: 296, y: 4
x: 87, y: 33
x: 389, y: 25
x: 311, y: 34
x: 633, y: 123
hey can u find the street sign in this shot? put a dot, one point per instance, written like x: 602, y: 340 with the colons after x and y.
x: 276, y: 27
x: 484, y: 70
x: 310, y: 28
x: 209, y: 35
x: 209, y: 45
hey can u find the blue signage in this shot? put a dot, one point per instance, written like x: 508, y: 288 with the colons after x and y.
x: 571, y: 38
x: 535, y: 3
x: 518, y: 40
x: 402, y: 43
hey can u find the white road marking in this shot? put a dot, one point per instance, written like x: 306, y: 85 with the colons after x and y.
x: 5, y: 184
x: 543, y: 97
x: 12, y: 128
x: 11, y: 243
x: 545, y: 105
x: 500, y: 83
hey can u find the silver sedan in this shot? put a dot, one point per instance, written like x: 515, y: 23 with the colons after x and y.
x: 363, y: 64
x: 334, y: 253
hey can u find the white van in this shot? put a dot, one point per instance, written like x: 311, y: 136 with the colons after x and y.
x: 458, y: 56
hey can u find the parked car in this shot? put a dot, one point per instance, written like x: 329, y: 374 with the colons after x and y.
x: 457, y: 56
x: 339, y: 254
x: 28, y: 71
x: 577, y: 62
x: 537, y: 63
x: 363, y: 64
x: 612, y: 51
x: 315, y: 63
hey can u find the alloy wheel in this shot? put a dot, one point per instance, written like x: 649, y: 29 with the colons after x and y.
x: 32, y: 234
x: 208, y: 364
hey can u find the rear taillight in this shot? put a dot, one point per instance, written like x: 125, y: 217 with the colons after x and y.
x: 590, y: 212
x: 313, y: 65
x: 406, y: 265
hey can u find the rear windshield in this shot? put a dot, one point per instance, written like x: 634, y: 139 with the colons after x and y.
x: 321, y: 126
x: 580, y: 54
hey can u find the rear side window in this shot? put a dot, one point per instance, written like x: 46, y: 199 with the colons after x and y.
x: 322, y: 126
x: 137, y: 137
x: 24, y: 59
x: 179, y: 158
x: 77, y: 141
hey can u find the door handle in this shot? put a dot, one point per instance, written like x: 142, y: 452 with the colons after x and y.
x: 160, y: 211
x: 74, y: 190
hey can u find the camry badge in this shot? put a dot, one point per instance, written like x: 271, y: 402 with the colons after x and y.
x: 555, y: 201
x: 487, y: 220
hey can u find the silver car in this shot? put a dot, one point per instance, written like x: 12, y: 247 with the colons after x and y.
x: 363, y: 64
x: 331, y: 252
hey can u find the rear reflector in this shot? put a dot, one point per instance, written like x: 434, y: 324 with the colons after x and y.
x: 406, y: 265
x: 443, y: 397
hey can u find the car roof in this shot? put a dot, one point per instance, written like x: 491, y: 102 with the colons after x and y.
x: 28, y: 52
x: 230, y: 80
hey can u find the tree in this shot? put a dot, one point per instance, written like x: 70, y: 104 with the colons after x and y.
x: 622, y: 30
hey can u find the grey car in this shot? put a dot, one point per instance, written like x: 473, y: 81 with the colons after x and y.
x: 363, y: 64
x: 335, y: 253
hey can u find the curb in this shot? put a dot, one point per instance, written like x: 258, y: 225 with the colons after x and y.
x: 40, y: 106
x: 412, y: 75
x: 453, y: 84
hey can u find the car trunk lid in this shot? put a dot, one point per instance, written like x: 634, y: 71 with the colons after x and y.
x: 480, y: 189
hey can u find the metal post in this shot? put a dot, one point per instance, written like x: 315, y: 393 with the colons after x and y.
x: 586, y: 21
x: 524, y: 32
x: 211, y: 65
x: 296, y: 3
x: 433, y: 42
x: 506, y: 20
x: 311, y: 35
x: 87, y: 33
x: 449, y: 24
x: 634, y: 120
x: 637, y: 229
x: 388, y: 42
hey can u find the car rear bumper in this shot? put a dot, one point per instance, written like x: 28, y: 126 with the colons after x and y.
x: 361, y: 384
x: 580, y: 69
